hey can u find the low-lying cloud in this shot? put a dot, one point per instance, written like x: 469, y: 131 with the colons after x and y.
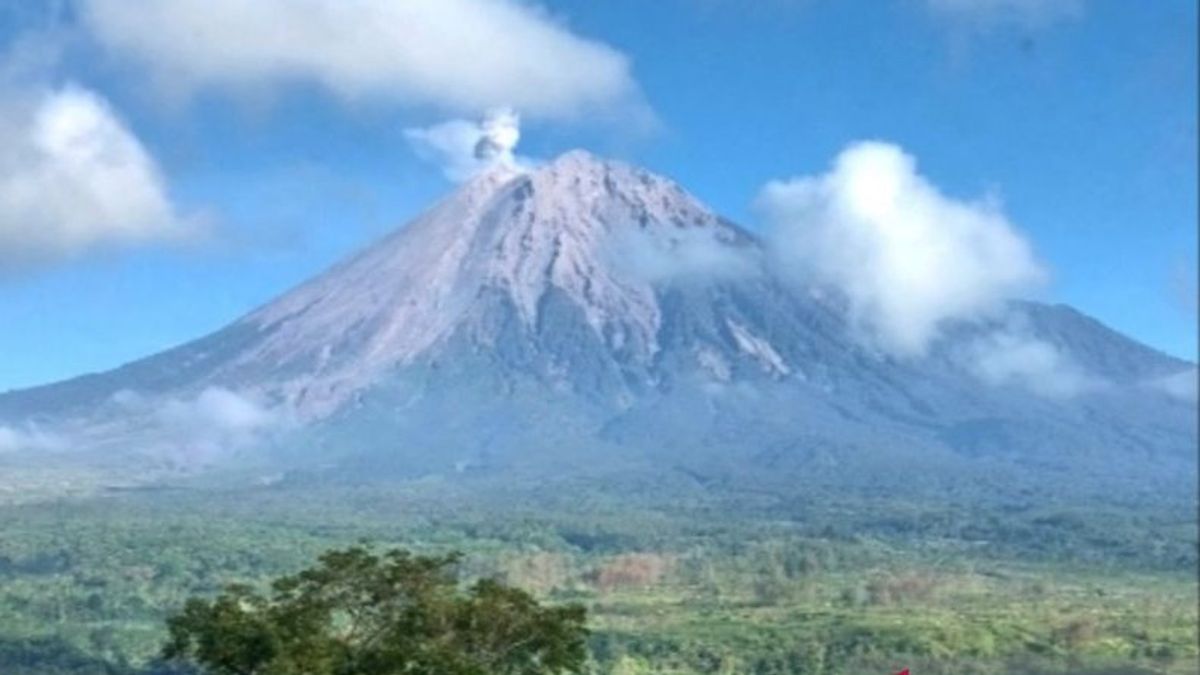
x: 907, y: 258
x: 685, y: 254
x: 74, y: 178
x: 1184, y: 385
x: 200, y: 426
x: 463, y: 148
x: 26, y: 439
x: 220, y: 412
x: 460, y: 55
x: 1007, y: 358
x: 211, y: 422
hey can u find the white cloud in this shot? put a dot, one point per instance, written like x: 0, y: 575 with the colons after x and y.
x: 1006, y: 358
x: 681, y: 255
x: 1183, y: 385
x: 1023, y: 13
x: 73, y: 178
x: 202, y: 426
x: 463, y: 55
x: 219, y: 411
x: 13, y: 439
x: 908, y: 258
x: 463, y: 148
x: 214, y: 420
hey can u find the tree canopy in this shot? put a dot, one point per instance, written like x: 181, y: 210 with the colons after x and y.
x: 361, y: 613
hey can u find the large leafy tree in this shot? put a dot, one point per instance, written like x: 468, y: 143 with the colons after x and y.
x: 361, y: 613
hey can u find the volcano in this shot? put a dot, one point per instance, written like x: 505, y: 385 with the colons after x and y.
x: 590, y: 318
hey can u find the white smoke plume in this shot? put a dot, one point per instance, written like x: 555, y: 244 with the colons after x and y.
x: 907, y: 258
x: 501, y: 131
x: 463, y: 148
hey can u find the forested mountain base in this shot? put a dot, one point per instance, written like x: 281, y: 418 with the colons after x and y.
x: 831, y: 583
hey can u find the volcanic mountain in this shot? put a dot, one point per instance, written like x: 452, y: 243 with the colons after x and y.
x: 590, y: 318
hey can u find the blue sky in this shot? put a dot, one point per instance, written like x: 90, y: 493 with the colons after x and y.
x: 1079, y: 117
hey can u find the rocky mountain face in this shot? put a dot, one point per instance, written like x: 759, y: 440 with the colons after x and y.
x: 590, y: 318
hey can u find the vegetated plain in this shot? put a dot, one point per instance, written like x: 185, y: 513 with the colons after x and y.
x: 676, y: 579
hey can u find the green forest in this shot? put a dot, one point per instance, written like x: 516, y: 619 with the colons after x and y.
x: 835, y: 582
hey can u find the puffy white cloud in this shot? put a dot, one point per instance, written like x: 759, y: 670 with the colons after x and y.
x: 1006, y: 358
x: 463, y: 148
x: 1024, y: 13
x: 907, y: 258
x: 73, y: 178
x: 465, y: 55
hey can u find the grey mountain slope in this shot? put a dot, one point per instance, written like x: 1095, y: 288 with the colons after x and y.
x: 590, y: 317
x: 1097, y: 348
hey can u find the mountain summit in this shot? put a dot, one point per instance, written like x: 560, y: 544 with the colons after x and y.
x: 506, y: 238
x: 587, y: 317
